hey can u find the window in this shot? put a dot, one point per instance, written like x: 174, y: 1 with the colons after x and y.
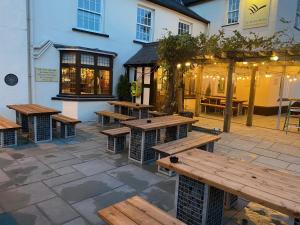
x: 144, y: 24
x: 85, y: 74
x: 89, y: 15
x: 233, y: 11
x: 297, y: 22
x: 184, y: 28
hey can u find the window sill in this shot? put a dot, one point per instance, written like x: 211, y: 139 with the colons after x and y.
x: 232, y: 24
x: 84, y: 98
x: 140, y: 42
x: 90, y: 32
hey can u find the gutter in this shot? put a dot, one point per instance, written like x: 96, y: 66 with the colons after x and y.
x: 29, y: 52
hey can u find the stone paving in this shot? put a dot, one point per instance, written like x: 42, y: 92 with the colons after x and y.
x: 65, y: 182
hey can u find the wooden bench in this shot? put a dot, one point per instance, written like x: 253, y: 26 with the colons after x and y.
x: 157, y: 114
x: 67, y: 125
x: 221, y: 107
x: 135, y: 211
x: 116, y: 141
x: 194, y: 140
x: 8, y: 132
x: 104, y: 117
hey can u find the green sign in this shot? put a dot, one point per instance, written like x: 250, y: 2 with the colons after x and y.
x: 46, y: 75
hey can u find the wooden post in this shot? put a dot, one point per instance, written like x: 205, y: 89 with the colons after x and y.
x: 229, y: 95
x: 281, y: 89
x: 251, y: 98
x: 198, y: 89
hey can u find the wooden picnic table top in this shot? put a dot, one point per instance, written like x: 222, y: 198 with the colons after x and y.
x: 65, y: 119
x: 223, y: 98
x: 114, y: 115
x: 193, y: 140
x: 271, y: 188
x: 135, y: 211
x: 130, y: 105
x: 33, y: 109
x: 8, y: 124
x: 159, y: 122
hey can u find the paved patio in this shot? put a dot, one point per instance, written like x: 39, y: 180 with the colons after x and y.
x: 67, y: 182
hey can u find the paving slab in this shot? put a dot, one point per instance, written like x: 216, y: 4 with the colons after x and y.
x: 29, y: 172
x: 265, y: 144
x: 5, y: 160
x: 88, y: 208
x: 89, y: 154
x: 63, y: 179
x: 65, y: 163
x: 135, y: 176
x: 30, y: 215
x: 242, y: 144
x: 272, y: 162
x: 265, y: 152
x: 285, y: 149
x: 23, y: 196
x: 78, y: 221
x: 93, y: 167
x: 3, y: 177
x: 57, y: 210
x: 295, y: 168
x: 289, y: 158
x: 65, y: 170
x: 55, y: 157
x: 242, y: 155
x: 79, y: 190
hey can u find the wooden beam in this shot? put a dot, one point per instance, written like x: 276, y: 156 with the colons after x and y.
x: 251, y: 98
x: 198, y: 89
x: 229, y: 95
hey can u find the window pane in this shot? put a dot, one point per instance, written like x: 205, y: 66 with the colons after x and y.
x: 87, y: 59
x: 144, y: 24
x: 103, y: 61
x: 233, y: 11
x: 69, y: 58
x: 87, y: 81
x: 183, y: 28
x: 89, y: 15
x: 103, y: 82
x: 68, y: 80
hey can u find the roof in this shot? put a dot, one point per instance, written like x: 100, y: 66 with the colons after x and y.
x: 181, y: 8
x: 84, y: 49
x: 189, y: 2
x: 147, y: 55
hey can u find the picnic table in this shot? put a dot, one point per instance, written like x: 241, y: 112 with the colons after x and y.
x: 203, y: 178
x: 145, y: 133
x: 236, y: 102
x: 35, y: 120
x: 139, y: 111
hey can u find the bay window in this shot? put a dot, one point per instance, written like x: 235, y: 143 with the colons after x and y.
x: 85, y: 74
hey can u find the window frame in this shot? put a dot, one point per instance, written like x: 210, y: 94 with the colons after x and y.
x: 186, y: 23
x: 101, y: 14
x: 297, y: 18
x: 78, y: 66
x: 232, y: 11
x: 140, y: 24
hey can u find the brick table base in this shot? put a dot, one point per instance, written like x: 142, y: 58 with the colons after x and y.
x: 8, y: 138
x: 176, y: 132
x: 103, y: 120
x: 198, y: 203
x: 40, y: 128
x: 294, y: 221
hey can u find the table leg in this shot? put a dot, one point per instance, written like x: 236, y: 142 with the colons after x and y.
x: 141, y: 143
x: 208, y: 147
x: 23, y: 121
x: 144, y: 113
x: 136, y: 113
x: 294, y: 221
x: 124, y: 110
x: 171, y: 134
x: 40, y: 128
x: 117, y: 109
x: 198, y: 203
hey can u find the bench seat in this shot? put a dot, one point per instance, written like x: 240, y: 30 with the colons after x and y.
x: 116, y: 141
x: 216, y: 106
x: 194, y: 140
x: 104, y: 117
x: 135, y: 211
x: 67, y: 125
x: 157, y: 114
x: 8, y: 132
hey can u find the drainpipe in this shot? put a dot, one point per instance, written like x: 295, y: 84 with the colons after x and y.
x: 29, y: 52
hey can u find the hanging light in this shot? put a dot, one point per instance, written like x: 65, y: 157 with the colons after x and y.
x: 178, y: 66
x: 187, y: 64
x: 288, y: 76
x: 268, y: 75
x: 295, y: 79
x: 274, y: 58
x: 255, y: 64
x: 245, y: 63
x: 291, y: 80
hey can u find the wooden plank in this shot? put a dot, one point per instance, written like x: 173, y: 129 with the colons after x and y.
x: 112, y: 216
x: 114, y: 115
x: 33, y: 109
x: 8, y: 124
x: 154, y: 212
x: 65, y: 119
x: 248, y: 183
x: 130, y: 105
x: 116, y: 131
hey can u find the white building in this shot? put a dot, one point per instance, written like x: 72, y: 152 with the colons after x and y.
x: 69, y: 54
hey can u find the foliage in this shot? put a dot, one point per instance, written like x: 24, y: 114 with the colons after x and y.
x: 123, y: 88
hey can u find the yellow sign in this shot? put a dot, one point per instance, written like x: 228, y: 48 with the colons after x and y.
x: 46, y: 75
x: 256, y: 13
x: 135, y: 89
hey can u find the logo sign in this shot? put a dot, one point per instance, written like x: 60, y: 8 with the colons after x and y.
x: 256, y: 13
x: 46, y: 75
x: 11, y: 79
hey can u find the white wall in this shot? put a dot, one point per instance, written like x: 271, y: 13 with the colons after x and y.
x: 13, y: 53
x: 54, y: 20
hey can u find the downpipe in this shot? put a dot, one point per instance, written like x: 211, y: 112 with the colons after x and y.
x: 29, y: 51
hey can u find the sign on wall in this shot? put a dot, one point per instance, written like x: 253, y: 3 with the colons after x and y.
x: 256, y: 13
x: 46, y: 75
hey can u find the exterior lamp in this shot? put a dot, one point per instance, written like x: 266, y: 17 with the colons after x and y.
x: 295, y: 79
x: 288, y: 76
x: 268, y: 75
x: 178, y: 66
x: 274, y: 58
x: 187, y: 64
x: 255, y: 64
x: 245, y: 63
